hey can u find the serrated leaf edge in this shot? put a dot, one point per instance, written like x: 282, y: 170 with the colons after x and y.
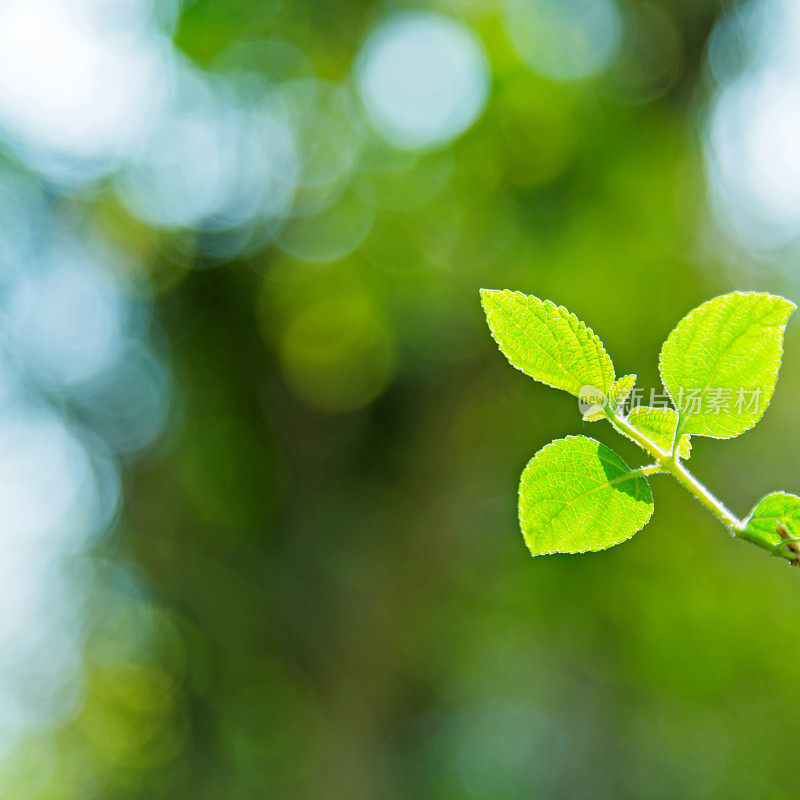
x: 684, y: 436
x: 746, y: 521
x: 777, y: 368
x: 581, y: 325
x: 620, y: 480
x: 620, y: 401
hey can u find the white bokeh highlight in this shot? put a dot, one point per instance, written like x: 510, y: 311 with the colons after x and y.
x: 80, y: 388
x: 752, y: 131
x: 423, y: 79
x: 80, y: 80
x: 564, y: 39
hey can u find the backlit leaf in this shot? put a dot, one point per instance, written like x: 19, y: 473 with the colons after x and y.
x: 595, y: 416
x: 576, y: 495
x: 721, y: 362
x: 658, y: 425
x: 621, y: 390
x: 776, y: 509
x: 546, y: 342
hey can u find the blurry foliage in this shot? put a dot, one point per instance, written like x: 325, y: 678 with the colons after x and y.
x: 338, y: 602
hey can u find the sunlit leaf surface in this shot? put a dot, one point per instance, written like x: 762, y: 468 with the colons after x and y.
x: 577, y: 495
x: 721, y: 362
x: 546, y: 342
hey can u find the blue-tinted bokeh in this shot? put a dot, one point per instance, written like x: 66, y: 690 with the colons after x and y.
x: 259, y: 456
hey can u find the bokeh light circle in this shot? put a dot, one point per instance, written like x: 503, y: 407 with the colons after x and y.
x: 753, y: 127
x: 337, y: 353
x: 79, y: 83
x: 564, y: 39
x: 215, y: 162
x: 66, y: 322
x: 328, y: 129
x: 423, y: 79
x: 333, y: 232
x: 649, y: 58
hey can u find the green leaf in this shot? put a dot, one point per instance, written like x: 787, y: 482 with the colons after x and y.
x: 721, y: 362
x: 592, y: 404
x: 778, y: 508
x: 617, y: 395
x: 576, y: 495
x: 621, y: 390
x: 658, y: 425
x: 546, y: 342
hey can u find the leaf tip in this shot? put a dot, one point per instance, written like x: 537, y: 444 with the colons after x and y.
x: 787, y: 307
x: 486, y: 299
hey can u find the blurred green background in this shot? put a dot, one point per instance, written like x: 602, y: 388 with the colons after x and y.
x: 304, y: 576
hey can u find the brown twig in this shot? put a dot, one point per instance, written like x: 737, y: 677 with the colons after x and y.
x: 791, y: 543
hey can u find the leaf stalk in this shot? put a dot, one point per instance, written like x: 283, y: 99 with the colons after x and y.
x: 669, y: 462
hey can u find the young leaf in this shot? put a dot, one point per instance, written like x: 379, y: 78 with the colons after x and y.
x: 576, y: 496
x: 592, y: 404
x: 617, y: 395
x: 621, y: 390
x: 721, y: 362
x: 546, y: 342
x: 774, y: 510
x: 658, y: 425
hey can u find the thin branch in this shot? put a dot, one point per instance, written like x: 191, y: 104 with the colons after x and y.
x: 670, y: 463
